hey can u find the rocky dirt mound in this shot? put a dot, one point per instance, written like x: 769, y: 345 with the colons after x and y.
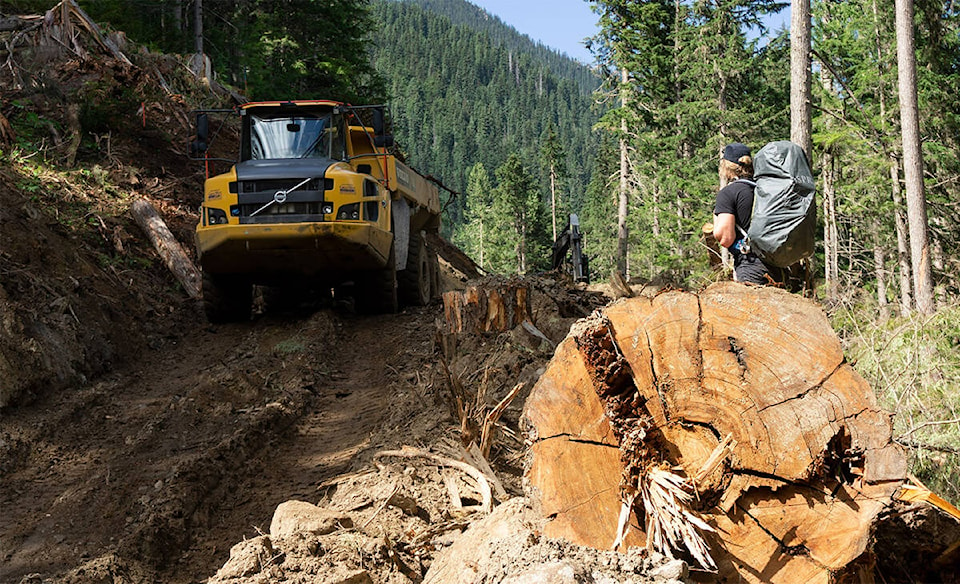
x: 327, y: 545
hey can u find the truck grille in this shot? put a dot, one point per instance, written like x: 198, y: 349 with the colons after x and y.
x: 284, y: 209
x: 305, y: 204
x: 274, y: 185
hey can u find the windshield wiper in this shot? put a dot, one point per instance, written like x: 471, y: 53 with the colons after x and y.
x: 313, y: 145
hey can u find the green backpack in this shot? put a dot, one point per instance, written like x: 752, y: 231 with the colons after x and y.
x: 784, y: 219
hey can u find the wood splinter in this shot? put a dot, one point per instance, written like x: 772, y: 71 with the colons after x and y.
x: 486, y: 504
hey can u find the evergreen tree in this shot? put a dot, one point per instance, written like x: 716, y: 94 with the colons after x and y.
x: 475, y: 236
x: 519, y: 206
x: 554, y: 159
x: 295, y: 49
x: 463, y: 93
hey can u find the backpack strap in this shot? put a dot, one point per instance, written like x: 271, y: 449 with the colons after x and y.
x: 743, y: 244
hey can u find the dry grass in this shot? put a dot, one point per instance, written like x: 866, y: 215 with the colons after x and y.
x: 913, y: 364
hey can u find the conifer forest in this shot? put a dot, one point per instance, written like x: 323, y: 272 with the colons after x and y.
x: 522, y: 136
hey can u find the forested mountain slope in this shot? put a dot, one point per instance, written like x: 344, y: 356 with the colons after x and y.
x: 466, y: 88
x: 461, y: 12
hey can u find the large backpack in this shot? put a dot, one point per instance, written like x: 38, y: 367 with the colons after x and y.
x: 784, y: 218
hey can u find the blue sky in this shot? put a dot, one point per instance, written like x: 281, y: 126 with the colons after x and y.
x: 563, y: 24
x: 559, y: 24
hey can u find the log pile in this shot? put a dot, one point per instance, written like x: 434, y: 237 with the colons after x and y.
x: 61, y: 27
x: 723, y: 427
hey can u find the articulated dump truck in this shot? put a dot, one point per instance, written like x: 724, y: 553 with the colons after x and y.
x: 316, y: 203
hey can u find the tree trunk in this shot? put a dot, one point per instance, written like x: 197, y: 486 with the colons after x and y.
x: 623, y: 192
x: 830, y: 234
x: 522, y: 247
x: 167, y: 246
x: 75, y: 133
x: 903, y: 240
x: 938, y: 260
x: 481, y: 242
x: 880, y: 271
x: 488, y: 307
x: 801, y: 125
x: 742, y: 396
x: 453, y: 257
x: 913, y: 158
x: 553, y: 198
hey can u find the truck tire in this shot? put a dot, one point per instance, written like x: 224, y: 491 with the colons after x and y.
x: 416, y: 282
x: 226, y: 299
x: 376, y: 291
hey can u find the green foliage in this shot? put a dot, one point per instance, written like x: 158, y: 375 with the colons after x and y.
x: 912, y: 364
x: 598, y: 217
x: 31, y: 128
x: 695, y: 82
x: 475, y: 235
x: 553, y: 158
x: 321, y: 53
x: 291, y: 346
x: 465, y: 88
x: 297, y: 49
x: 519, y: 207
x: 859, y: 128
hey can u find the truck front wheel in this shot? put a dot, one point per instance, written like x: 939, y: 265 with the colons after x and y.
x: 226, y: 298
x: 376, y: 291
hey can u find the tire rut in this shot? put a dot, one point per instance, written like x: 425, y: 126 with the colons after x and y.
x: 172, y: 460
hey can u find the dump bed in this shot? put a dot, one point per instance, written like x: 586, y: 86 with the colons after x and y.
x: 400, y: 178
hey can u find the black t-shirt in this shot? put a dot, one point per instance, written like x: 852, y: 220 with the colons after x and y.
x: 737, y: 199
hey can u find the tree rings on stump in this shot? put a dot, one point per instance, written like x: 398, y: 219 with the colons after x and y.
x: 744, y: 394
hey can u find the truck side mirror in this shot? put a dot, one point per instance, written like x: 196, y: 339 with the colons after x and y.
x: 199, y: 146
x: 380, y: 137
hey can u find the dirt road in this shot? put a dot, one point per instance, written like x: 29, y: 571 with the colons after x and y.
x: 174, y: 458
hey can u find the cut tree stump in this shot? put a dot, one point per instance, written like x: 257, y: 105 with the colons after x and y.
x: 492, y: 306
x: 651, y: 386
x: 167, y: 246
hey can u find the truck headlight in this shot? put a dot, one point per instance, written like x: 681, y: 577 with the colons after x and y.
x: 349, y: 212
x: 216, y: 216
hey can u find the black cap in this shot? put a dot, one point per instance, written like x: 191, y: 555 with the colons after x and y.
x: 733, y: 152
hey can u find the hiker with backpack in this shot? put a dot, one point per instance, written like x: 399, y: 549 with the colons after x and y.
x: 767, y: 225
x: 732, y: 213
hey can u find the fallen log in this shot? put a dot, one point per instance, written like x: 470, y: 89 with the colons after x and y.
x: 727, y: 418
x: 167, y: 246
x: 454, y: 257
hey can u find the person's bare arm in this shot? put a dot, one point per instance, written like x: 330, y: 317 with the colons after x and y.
x: 725, y: 229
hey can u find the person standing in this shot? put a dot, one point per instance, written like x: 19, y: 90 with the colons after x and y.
x: 731, y: 216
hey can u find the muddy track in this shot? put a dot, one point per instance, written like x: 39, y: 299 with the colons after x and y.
x: 173, y: 459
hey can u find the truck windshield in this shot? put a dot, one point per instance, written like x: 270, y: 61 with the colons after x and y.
x: 302, y: 136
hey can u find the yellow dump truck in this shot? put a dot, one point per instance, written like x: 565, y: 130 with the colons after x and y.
x: 315, y: 201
